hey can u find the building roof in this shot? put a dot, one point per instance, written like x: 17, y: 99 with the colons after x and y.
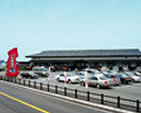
x: 74, y: 53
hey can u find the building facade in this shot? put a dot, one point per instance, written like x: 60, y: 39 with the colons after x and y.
x: 80, y: 59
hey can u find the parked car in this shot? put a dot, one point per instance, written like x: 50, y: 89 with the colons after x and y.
x: 91, y: 71
x: 125, y: 79
x: 98, y: 81
x: 137, y: 73
x: 41, y: 71
x: 80, y: 74
x: 29, y: 74
x: 115, y: 78
x: 71, y: 78
x: 134, y: 77
x: 112, y: 72
x: 2, y: 68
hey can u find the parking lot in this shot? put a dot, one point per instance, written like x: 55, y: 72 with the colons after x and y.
x: 131, y: 91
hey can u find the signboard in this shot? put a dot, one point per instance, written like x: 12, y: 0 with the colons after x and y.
x: 12, y: 67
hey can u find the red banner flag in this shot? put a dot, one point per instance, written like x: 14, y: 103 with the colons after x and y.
x: 12, y: 67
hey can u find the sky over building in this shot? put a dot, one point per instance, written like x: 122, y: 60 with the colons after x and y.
x: 36, y: 25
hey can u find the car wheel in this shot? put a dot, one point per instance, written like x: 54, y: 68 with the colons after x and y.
x: 69, y: 81
x: 133, y: 80
x: 58, y: 80
x: 125, y: 82
x: 82, y: 83
x: 98, y: 86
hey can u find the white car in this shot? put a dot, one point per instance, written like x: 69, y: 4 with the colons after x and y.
x: 70, y: 78
x: 137, y: 73
x: 133, y: 76
x: 91, y: 71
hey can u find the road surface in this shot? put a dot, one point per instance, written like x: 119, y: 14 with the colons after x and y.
x: 19, y: 100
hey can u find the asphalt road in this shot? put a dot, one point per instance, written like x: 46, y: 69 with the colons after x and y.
x: 19, y: 100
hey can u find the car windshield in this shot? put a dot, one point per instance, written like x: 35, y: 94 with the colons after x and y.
x: 103, y: 78
x: 123, y: 75
x: 130, y: 74
x: 116, y: 76
x: 97, y: 72
x: 81, y: 74
x: 44, y: 69
x: 69, y: 75
x: 106, y: 75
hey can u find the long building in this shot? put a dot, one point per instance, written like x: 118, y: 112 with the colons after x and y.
x: 84, y: 58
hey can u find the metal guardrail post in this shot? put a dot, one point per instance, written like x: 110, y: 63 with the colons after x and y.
x: 15, y: 81
x: 4, y: 78
x: 41, y: 86
x: 35, y: 84
x: 56, y: 89
x: 0, y: 77
x: 138, y: 106
x: 11, y: 79
x: 102, y: 98
x: 24, y: 82
x: 7, y: 79
x: 48, y: 88
x: 88, y: 96
x: 65, y: 91
x: 29, y: 83
x: 75, y: 93
x: 19, y: 81
x: 118, y: 102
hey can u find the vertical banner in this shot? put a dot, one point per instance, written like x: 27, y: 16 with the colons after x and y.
x: 65, y: 79
x: 86, y: 79
x: 49, y: 73
x: 114, y: 78
x: 12, y: 67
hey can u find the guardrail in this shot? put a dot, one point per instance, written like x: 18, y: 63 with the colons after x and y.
x: 133, y: 105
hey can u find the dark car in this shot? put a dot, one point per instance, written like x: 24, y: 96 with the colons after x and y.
x: 125, y: 79
x: 2, y: 69
x: 29, y: 74
x: 41, y: 71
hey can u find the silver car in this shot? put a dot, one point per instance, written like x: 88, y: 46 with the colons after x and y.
x: 98, y: 81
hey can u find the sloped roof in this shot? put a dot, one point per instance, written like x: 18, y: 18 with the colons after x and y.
x: 112, y: 52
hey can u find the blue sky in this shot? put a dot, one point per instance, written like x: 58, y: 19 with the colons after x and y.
x: 36, y: 25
